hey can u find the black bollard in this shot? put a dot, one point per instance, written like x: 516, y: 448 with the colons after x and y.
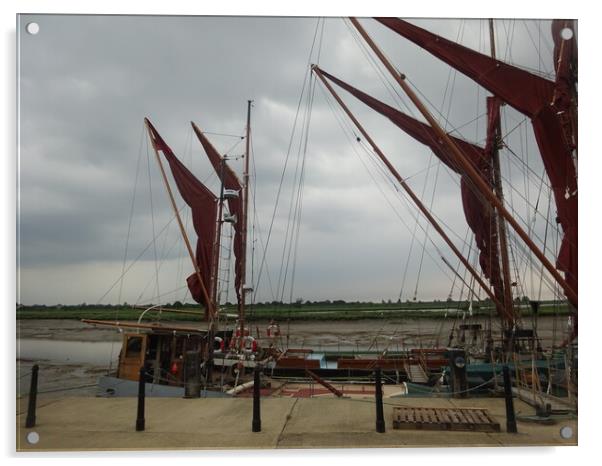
x: 33, y: 395
x: 510, y: 417
x: 256, y: 425
x: 141, y: 396
x: 380, y: 416
x: 192, y: 381
x: 458, y: 376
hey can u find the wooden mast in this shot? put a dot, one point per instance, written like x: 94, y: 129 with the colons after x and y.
x: 497, y: 183
x: 407, y: 188
x: 210, y: 307
x: 218, y: 227
x: 245, y: 200
x: 467, y: 167
x: 218, y: 234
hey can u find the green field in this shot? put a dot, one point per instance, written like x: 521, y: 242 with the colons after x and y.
x: 337, y: 310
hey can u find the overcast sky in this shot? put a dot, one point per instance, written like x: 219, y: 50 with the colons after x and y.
x: 87, y: 82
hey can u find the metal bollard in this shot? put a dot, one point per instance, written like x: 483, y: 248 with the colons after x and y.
x: 510, y: 417
x: 256, y: 425
x: 380, y: 416
x: 192, y: 381
x: 458, y: 376
x: 141, y: 395
x: 33, y: 395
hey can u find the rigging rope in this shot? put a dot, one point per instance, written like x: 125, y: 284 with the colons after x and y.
x: 286, y: 160
x: 158, y: 267
x: 127, y: 240
x: 135, y: 260
x: 293, y: 205
x: 426, y: 228
x: 386, y: 176
x: 300, y: 196
x: 224, y: 134
x: 296, y: 203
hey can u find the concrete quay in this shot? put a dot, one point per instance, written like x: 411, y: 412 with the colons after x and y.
x: 97, y: 424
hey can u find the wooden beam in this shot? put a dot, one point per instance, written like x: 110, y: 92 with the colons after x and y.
x: 110, y: 323
x: 172, y: 311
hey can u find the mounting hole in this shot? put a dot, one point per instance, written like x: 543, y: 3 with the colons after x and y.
x: 566, y: 432
x: 32, y: 28
x: 33, y: 438
x: 566, y: 33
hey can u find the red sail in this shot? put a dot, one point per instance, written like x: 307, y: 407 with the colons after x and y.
x: 565, y: 99
x: 230, y: 181
x: 521, y: 89
x: 203, y: 204
x: 419, y: 131
x: 476, y: 210
x: 536, y: 97
x: 565, y: 64
x: 494, y: 246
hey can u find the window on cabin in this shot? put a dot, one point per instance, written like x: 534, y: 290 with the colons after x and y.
x: 134, y: 347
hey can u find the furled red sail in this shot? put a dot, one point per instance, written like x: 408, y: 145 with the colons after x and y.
x: 477, y: 211
x: 565, y: 65
x: 565, y: 99
x: 231, y: 182
x: 538, y: 98
x: 203, y: 204
x: 491, y: 142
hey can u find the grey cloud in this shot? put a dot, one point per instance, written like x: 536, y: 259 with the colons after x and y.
x: 88, y: 81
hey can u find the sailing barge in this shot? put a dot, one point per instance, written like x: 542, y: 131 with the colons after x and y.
x: 229, y: 356
x: 192, y: 360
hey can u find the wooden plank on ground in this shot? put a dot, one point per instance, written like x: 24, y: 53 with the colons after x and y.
x: 456, y: 419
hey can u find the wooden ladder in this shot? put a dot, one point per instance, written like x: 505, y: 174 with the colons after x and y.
x: 416, y: 373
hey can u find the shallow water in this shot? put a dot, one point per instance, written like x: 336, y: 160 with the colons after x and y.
x: 68, y: 352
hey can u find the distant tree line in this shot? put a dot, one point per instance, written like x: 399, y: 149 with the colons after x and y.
x: 299, y: 302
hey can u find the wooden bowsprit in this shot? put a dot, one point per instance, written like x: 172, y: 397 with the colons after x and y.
x: 463, y: 419
x: 322, y: 382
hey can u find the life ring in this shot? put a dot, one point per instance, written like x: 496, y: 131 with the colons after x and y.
x: 237, y: 333
x: 250, y: 344
x: 218, y: 343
